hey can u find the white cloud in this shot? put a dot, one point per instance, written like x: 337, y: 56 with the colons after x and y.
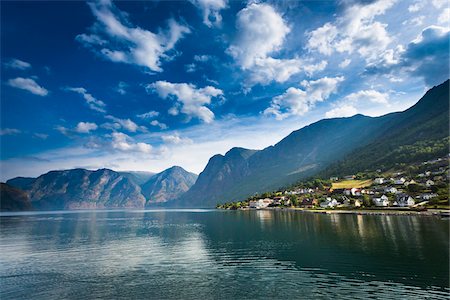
x: 297, y: 101
x: 202, y: 58
x: 211, y: 11
x: 121, y: 88
x: 191, y: 100
x: 176, y: 139
x: 191, y: 68
x: 356, y: 31
x: 416, y: 21
x: 341, y: 111
x: 122, y: 142
x: 126, y: 124
x: 9, y: 131
x: 92, y: 102
x: 366, y: 96
x: 266, y: 70
x: 17, y: 64
x: 85, y: 127
x: 439, y: 3
x: 417, y: 6
x: 345, y: 63
x: 148, y: 115
x: 156, y: 123
x: 444, y: 17
x: 29, y: 85
x: 63, y: 130
x: 115, y: 38
x: 311, y: 69
x: 41, y: 136
x: 261, y: 32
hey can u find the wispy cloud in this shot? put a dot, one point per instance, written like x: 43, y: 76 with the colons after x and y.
x: 17, y: 64
x: 92, y: 102
x: 9, y: 131
x: 116, y: 39
x: 28, y: 84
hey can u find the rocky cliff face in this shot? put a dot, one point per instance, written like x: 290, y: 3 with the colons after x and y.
x: 167, y: 185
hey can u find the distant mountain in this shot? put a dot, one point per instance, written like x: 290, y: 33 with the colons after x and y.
x: 167, y: 185
x: 312, y: 149
x: 13, y: 199
x: 22, y: 183
x: 82, y: 189
x: 138, y: 177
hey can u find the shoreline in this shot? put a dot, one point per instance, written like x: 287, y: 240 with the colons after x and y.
x: 444, y: 213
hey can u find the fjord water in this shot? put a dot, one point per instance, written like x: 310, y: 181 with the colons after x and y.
x: 204, y: 254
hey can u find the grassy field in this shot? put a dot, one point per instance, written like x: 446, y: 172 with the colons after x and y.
x: 346, y: 184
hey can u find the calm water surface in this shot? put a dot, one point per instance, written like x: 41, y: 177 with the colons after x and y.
x: 209, y: 254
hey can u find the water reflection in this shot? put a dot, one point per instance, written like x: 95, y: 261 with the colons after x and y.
x: 216, y: 254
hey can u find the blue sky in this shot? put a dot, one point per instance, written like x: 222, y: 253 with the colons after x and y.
x: 147, y: 85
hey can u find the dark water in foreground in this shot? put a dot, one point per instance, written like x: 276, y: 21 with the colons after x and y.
x: 207, y: 254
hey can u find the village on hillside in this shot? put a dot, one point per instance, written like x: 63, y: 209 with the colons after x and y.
x: 414, y: 187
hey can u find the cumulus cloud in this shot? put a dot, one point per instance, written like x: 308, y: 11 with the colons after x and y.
x: 356, y: 31
x: 122, y: 142
x: 29, y: 85
x: 126, y: 124
x: 148, y: 115
x: 85, y: 127
x: 345, y: 63
x: 9, y: 131
x: 296, y: 101
x: 427, y: 55
x: 261, y: 32
x: 211, y: 11
x: 91, y: 101
x: 17, y: 64
x: 341, y: 111
x: 191, y: 100
x: 349, y: 105
x: 116, y: 39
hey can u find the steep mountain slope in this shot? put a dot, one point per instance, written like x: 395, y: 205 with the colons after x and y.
x: 417, y: 134
x: 79, y: 188
x: 13, y: 199
x: 168, y: 185
x: 307, y: 151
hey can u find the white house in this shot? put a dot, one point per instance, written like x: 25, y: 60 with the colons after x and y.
x: 358, y: 203
x: 428, y: 196
x: 400, y: 181
x: 404, y: 200
x: 379, y: 180
x: 261, y: 203
x: 329, y: 203
x: 412, y: 181
x: 381, y: 201
x: 429, y: 183
x: 391, y: 190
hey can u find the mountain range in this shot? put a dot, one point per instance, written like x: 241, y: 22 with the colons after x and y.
x: 329, y: 147
x: 104, y: 188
